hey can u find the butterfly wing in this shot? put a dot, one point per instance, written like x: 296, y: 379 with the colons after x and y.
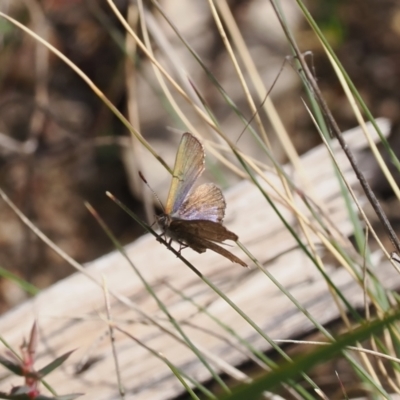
x: 220, y: 250
x: 201, y: 228
x: 189, y: 165
x: 195, y: 220
x: 200, y: 235
x: 206, y: 202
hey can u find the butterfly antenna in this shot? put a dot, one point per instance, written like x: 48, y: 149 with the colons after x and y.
x: 264, y: 100
x: 152, y: 191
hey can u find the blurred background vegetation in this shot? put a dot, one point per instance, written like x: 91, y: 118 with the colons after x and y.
x: 60, y: 145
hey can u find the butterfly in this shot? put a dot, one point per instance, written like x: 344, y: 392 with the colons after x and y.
x: 193, y: 217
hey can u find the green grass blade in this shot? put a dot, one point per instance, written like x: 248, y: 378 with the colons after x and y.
x: 23, y: 284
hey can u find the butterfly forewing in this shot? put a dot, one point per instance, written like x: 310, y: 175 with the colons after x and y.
x: 201, y: 228
x: 206, y: 202
x: 189, y: 165
x: 200, y: 235
x: 219, y: 249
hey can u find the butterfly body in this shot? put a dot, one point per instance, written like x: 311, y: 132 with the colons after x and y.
x: 193, y: 217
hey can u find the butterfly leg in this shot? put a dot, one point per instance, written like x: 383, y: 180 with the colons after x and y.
x: 161, y: 237
x: 182, y: 246
x: 169, y: 241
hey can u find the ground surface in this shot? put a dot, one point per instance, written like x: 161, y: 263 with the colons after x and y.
x: 52, y: 109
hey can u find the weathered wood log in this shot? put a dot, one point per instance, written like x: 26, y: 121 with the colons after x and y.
x: 71, y: 313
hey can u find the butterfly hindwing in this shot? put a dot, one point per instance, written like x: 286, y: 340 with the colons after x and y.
x: 201, y: 245
x: 206, y: 202
x: 208, y: 230
x: 219, y: 249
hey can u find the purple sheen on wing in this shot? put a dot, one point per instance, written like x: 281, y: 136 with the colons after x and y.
x: 179, y: 200
x: 205, y: 202
x: 208, y: 214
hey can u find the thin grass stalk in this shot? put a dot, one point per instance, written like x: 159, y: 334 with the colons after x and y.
x: 112, y: 339
x: 304, y: 363
x: 176, y: 371
x: 238, y: 71
x: 210, y: 76
x: 223, y: 93
x: 364, y: 217
x: 214, y: 288
x: 358, y: 369
x: 358, y: 277
x: 383, y: 369
x: 160, y: 304
x: 123, y: 299
x: 253, y: 351
x: 389, y: 346
x: 337, y: 133
x: 384, y: 168
x: 298, y: 240
x: 149, y: 24
x: 142, y: 46
x: 225, y: 327
x: 356, y: 349
x: 23, y: 284
x: 346, y: 190
x: 348, y: 153
x: 258, y: 84
x: 159, y: 75
x: 349, y: 82
x: 133, y: 112
x: 92, y: 86
x: 147, y: 40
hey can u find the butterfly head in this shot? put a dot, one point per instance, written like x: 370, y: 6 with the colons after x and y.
x: 164, y: 221
x: 169, y: 229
